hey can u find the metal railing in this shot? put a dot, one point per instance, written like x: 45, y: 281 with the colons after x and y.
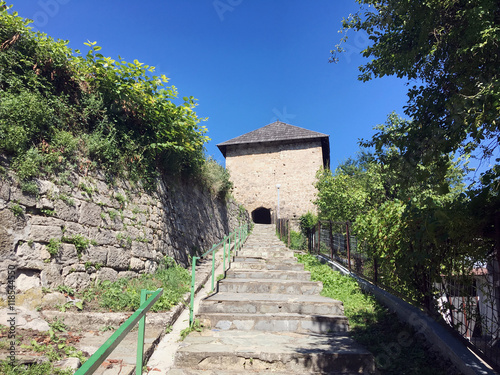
x: 93, y: 363
x: 234, y: 239
x: 468, y: 301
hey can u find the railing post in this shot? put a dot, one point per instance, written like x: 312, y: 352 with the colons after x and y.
x: 213, y: 267
x: 191, y: 305
x: 224, y: 245
x: 140, y: 336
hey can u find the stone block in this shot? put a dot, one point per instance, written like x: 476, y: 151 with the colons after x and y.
x: 141, y: 250
x: 4, y: 190
x: 127, y: 274
x: 136, y: 264
x: 118, y: 258
x: 67, y: 253
x: 96, y: 255
x: 90, y: 214
x: 70, y: 229
x: 51, y: 276
x: 66, y: 212
x: 77, y: 280
x: 104, y: 236
x: 106, y: 273
x: 77, y: 267
x: 27, y: 279
x: 44, y: 233
x: 25, y: 199
x: 27, y: 252
x: 45, y: 203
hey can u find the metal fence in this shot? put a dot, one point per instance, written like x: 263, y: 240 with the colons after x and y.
x: 469, y: 302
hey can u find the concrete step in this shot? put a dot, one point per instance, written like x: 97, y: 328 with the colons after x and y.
x: 269, y: 274
x: 262, y: 265
x: 266, y: 351
x: 270, y: 286
x: 236, y: 303
x: 282, y: 322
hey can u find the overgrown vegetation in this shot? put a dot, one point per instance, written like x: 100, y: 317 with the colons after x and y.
x: 417, y: 230
x: 124, y: 294
x: 61, y: 110
x: 395, y: 346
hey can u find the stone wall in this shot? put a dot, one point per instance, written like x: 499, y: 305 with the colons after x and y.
x: 256, y: 169
x: 86, y: 229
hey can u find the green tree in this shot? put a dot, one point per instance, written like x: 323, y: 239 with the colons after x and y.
x: 450, y: 49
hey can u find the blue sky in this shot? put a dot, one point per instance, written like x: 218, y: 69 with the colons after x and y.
x: 248, y: 62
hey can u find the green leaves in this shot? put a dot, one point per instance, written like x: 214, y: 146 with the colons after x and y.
x: 451, y: 49
x: 123, y: 114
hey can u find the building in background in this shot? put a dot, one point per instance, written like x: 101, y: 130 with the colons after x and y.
x: 277, y: 162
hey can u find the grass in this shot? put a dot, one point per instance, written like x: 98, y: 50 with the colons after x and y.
x: 124, y: 294
x: 396, y: 347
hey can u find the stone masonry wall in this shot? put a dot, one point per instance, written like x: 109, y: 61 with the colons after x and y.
x: 257, y: 169
x: 86, y: 229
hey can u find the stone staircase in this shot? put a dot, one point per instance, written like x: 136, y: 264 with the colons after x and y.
x: 268, y: 317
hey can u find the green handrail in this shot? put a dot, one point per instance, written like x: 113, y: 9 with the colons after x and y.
x: 240, y: 235
x: 103, y: 352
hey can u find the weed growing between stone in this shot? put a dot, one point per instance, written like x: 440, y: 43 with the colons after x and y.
x: 54, y: 345
x: 35, y: 369
x: 396, y: 347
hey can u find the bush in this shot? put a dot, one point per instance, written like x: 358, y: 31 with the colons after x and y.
x: 59, y: 108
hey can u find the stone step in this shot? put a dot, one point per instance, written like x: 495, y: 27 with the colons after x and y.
x: 282, y: 322
x: 236, y: 303
x: 259, y: 259
x: 262, y: 265
x: 269, y: 274
x: 178, y: 371
x: 269, y: 286
x: 278, y: 247
x: 265, y: 254
x: 266, y: 351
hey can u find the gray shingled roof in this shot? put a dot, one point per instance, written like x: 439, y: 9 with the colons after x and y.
x: 278, y: 131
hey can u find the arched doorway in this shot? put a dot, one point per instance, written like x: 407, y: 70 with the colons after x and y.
x: 261, y: 215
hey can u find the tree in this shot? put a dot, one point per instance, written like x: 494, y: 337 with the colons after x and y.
x: 451, y: 50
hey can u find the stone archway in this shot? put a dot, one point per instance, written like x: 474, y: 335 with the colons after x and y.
x: 261, y: 215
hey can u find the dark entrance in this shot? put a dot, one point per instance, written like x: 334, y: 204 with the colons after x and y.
x: 261, y: 215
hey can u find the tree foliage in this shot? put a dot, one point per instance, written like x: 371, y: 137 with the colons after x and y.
x: 414, y: 229
x: 450, y: 50
x: 60, y: 109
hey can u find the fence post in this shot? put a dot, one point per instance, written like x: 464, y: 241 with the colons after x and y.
x: 331, y: 239
x: 348, y: 244
x: 319, y: 237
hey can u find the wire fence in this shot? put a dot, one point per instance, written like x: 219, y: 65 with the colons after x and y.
x: 468, y: 301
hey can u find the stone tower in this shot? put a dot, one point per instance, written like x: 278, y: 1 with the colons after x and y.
x: 277, y: 161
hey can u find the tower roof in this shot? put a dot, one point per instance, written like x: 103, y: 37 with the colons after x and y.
x: 275, y: 132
